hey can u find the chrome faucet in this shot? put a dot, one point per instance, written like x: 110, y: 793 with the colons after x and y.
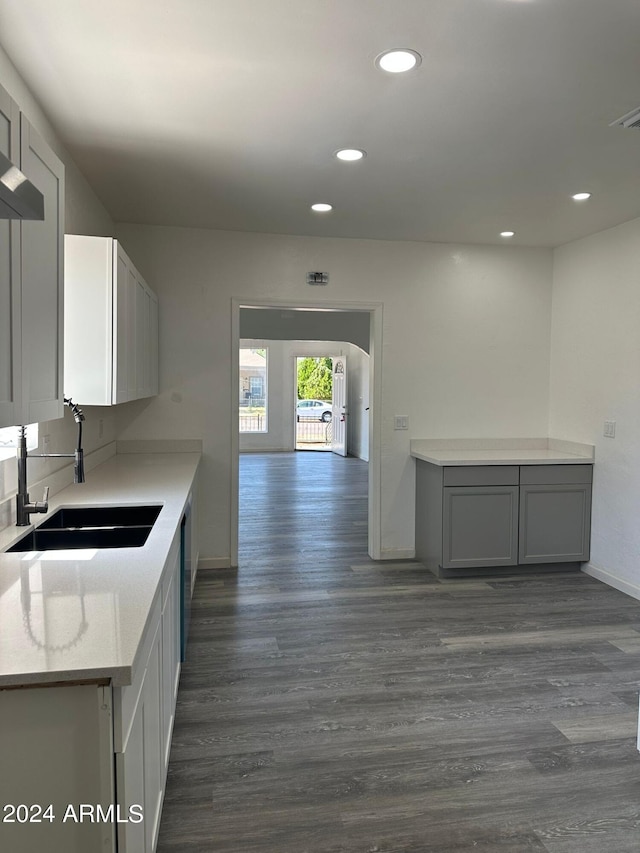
x: 24, y: 507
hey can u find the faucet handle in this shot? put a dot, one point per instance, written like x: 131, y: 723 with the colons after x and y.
x: 43, y: 505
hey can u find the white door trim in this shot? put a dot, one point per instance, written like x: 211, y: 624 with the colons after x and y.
x: 375, y: 419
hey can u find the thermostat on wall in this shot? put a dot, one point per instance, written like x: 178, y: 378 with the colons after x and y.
x: 317, y: 278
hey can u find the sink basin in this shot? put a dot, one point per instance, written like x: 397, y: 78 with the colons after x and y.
x: 101, y: 516
x: 91, y: 527
x: 71, y: 539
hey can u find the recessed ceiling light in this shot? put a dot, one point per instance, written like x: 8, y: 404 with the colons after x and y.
x: 581, y: 196
x: 398, y: 60
x: 321, y: 207
x: 350, y: 154
x: 507, y: 233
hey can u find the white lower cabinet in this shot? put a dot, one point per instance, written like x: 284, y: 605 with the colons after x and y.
x: 130, y: 783
x: 94, y: 746
x: 56, y: 770
x: 143, y: 715
x: 170, y: 659
x: 139, y: 767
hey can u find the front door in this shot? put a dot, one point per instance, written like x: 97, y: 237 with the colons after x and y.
x: 339, y: 406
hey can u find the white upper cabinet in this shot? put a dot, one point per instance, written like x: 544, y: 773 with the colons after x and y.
x: 31, y: 282
x: 10, y: 333
x: 111, y: 351
x: 42, y: 261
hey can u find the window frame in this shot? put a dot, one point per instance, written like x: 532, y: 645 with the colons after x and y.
x: 9, y: 440
x: 262, y: 420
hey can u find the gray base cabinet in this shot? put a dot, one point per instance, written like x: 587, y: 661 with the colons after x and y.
x: 480, y: 526
x: 555, y: 513
x: 490, y: 516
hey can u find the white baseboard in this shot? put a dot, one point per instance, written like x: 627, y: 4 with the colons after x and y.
x: 267, y: 449
x: 612, y: 580
x: 398, y: 554
x: 214, y: 563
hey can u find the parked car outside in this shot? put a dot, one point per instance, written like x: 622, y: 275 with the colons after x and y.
x: 314, y: 410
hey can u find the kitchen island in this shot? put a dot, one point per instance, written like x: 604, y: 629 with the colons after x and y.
x: 491, y: 504
x: 89, y: 668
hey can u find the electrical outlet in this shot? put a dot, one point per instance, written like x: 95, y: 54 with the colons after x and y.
x: 100, y: 428
x: 609, y: 429
x: 46, y: 442
x: 401, y: 422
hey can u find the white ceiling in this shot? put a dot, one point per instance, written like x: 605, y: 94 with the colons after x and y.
x: 226, y: 113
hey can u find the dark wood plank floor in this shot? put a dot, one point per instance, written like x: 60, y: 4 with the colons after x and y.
x: 330, y: 704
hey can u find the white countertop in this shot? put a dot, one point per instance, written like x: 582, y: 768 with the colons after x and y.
x: 80, y: 615
x: 545, y: 451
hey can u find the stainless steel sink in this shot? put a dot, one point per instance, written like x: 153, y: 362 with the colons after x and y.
x: 91, y: 527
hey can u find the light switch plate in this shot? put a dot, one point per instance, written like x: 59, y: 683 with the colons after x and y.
x: 609, y: 429
x: 401, y: 422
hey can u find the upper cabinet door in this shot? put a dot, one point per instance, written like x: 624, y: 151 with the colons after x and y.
x: 132, y: 370
x: 140, y: 336
x: 9, y: 278
x: 111, y: 354
x: 153, y: 346
x: 122, y: 320
x: 146, y: 350
x: 90, y: 339
x: 42, y: 256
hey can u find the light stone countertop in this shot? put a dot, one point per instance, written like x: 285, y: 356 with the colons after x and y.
x: 524, y: 451
x: 81, y: 615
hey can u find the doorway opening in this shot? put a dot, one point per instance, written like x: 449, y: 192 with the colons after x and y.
x: 314, y: 403
x: 276, y: 325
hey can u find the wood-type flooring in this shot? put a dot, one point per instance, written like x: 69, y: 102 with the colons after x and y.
x: 332, y: 704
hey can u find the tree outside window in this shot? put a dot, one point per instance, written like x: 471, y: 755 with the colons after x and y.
x: 315, y: 378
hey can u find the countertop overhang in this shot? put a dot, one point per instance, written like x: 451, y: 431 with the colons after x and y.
x: 502, y: 451
x: 81, y: 616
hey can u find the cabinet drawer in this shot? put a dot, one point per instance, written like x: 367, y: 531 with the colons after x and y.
x: 481, y: 475
x: 547, y: 475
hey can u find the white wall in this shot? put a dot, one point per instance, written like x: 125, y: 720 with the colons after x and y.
x: 281, y: 392
x: 280, y: 325
x: 465, y: 352
x: 84, y: 214
x: 595, y: 376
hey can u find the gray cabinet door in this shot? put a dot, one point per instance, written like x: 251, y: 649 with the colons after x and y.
x: 555, y: 523
x: 480, y: 526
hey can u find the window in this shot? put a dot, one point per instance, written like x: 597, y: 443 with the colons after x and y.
x: 253, y: 390
x: 256, y: 387
x: 9, y: 440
